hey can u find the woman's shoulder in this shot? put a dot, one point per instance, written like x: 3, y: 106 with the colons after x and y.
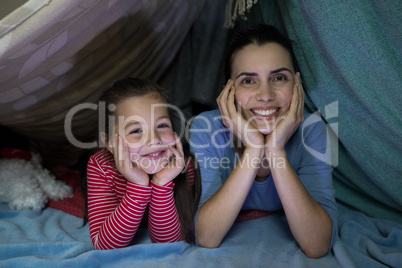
x: 312, y: 124
x: 212, y: 118
x: 311, y: 137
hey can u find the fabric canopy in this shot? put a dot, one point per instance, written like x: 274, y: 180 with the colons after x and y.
x: 57, y: 54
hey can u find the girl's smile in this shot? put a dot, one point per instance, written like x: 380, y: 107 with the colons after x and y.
x: 144, y: 124
x: 155, y: 155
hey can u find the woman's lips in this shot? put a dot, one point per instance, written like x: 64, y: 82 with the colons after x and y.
x: 265, y: 113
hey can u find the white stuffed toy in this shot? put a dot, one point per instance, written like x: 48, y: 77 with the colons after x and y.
x: 27, y: 185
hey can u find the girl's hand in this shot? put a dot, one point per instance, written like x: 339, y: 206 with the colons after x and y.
x: 124, y: 164
x: 288, y: 123
x: 249, y: 135
x: 174, y: 167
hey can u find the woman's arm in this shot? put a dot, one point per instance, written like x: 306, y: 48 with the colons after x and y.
x: 217, y: 215
x: 310, y: 224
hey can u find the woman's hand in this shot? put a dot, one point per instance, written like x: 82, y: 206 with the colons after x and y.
x: 248, y: 134
x: 288, y: 122
x: 173, y: 167
x: 124, y: 164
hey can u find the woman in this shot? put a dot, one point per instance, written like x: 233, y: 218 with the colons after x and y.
x: 260, y: 143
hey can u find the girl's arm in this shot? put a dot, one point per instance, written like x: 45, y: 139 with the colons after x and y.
x: 163, y: 221
x: 113, y: 224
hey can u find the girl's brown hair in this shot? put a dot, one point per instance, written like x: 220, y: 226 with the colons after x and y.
x: 186, y: 193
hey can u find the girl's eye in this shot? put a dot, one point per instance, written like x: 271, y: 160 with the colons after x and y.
x: 135, y: 131
x: 164, y: 125
x: 280, y: 78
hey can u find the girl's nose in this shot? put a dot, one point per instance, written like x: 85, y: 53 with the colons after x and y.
x: 154, y: 139
x: 265, y: 93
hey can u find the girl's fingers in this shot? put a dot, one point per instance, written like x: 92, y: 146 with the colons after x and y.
x: 179, y: 145
x: 116, y: 146
x: 121, y: 148
x: 178, y: 153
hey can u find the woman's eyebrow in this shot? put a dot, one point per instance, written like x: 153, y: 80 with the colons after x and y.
x: 246, y: 74
x: 272, y: 72
x: 281, y: 70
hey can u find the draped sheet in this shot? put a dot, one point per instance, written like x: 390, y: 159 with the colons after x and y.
x: 57, y: 54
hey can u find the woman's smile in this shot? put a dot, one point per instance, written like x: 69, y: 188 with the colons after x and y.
x: 265, y: 113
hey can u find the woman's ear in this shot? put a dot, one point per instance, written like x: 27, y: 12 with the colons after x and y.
x: 106, y: 141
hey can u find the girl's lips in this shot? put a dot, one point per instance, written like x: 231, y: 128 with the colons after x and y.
x: 155, y: 155
x: 265, y: 113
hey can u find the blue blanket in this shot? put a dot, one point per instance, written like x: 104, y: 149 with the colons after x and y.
x: 52, y: 238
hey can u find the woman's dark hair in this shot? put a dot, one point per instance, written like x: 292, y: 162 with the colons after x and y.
x: 259, y: 35
x: 186, y: 194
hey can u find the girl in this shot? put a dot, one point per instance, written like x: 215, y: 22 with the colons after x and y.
x: 256, y: 130
x: 143, y: 163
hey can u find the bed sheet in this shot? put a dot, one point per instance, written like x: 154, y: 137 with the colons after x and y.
x: 53, y: 238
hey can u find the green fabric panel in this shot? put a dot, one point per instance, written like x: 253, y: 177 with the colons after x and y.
x: 350, y: 54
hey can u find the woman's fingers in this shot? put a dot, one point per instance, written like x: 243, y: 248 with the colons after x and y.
x: 296, y: 108
x: 223, y: 102
x: 302, y: 97
x: 231, y: 103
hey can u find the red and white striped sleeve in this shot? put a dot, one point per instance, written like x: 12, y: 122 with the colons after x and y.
x: 163, y: 220
x: 113, y: 222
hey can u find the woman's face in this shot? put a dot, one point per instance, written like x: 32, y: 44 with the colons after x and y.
x: 264, y: 80
x: 145, y: 126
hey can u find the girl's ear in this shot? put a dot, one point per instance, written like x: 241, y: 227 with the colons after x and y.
x: 106, y: 141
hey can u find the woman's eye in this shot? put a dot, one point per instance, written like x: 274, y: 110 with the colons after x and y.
x: 247, y: 81
x: 280, y: 78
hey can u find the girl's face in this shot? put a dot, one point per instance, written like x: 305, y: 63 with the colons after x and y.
x: 144, y: 124
x: 264, y: 80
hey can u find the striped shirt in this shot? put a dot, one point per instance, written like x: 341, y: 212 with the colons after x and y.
x: 116, y: 206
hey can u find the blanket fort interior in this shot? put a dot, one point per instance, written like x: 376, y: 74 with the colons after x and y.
x: 55, y: 55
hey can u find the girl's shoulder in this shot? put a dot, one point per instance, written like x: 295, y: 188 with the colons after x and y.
x: 102, y: 157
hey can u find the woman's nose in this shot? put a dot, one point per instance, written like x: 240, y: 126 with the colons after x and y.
x: 265, y: 93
